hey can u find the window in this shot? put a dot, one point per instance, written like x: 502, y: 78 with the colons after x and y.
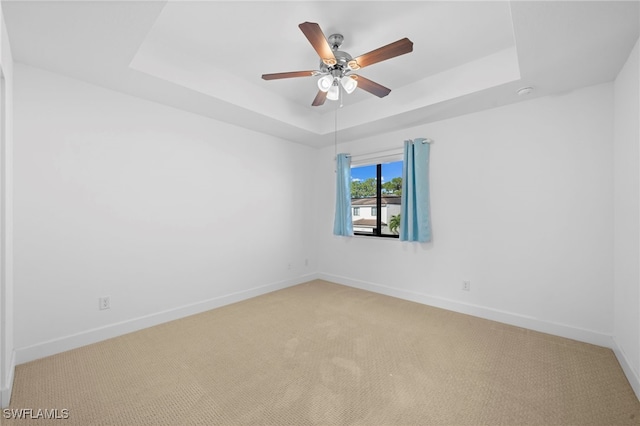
x: 377, y: 187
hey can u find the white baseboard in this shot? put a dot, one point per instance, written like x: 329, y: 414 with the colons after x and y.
x: 6, y: 389
x: 66, y: 343
x: 629, y: 371
x: 518, y: 320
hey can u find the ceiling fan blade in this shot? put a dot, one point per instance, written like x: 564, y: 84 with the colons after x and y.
x: 279, y: 75
x: 320, y: 98
x: 371, y: 86
x: 383, y: 53
x: 316, y: 37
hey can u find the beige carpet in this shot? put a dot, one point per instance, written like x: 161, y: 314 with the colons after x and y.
x: 321, y: 353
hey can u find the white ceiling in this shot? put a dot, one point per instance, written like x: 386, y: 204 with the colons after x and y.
x: 207, y: 56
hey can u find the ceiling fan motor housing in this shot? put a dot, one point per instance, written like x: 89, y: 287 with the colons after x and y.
x: 341, y: 67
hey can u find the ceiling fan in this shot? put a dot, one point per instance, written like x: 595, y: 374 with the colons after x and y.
x: 336, y: 66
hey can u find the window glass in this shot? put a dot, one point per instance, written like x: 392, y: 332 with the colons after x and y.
x: 390, y: 193
x: 375, y: 196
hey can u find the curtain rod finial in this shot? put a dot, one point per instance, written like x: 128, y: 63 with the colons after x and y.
x: 423, y: 140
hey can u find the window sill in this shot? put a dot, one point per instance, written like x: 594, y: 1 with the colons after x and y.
x: 376, y: 237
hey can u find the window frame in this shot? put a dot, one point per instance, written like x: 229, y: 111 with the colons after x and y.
x: 377, y: 231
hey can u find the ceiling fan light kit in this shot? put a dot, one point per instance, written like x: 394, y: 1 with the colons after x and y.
x: 334, y: 92
x: 336, y: 66
x: 349, y: 84
x: 325, y: 82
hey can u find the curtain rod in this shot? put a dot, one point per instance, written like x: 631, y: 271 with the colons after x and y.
x: 378, y: 153
x: 390, y: 151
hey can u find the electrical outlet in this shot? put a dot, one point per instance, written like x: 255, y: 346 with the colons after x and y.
x: 466, y: 285
x: 104, y: 303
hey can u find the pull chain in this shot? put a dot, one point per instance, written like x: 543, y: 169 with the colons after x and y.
x: 335, y: 136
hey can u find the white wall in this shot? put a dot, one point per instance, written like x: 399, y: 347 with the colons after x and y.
x: 166, y: 212
x: 627, y: 218
x: 521, y: 200
x: 7, y: 353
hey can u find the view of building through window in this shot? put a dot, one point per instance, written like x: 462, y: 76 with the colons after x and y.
x: 375, y: 198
